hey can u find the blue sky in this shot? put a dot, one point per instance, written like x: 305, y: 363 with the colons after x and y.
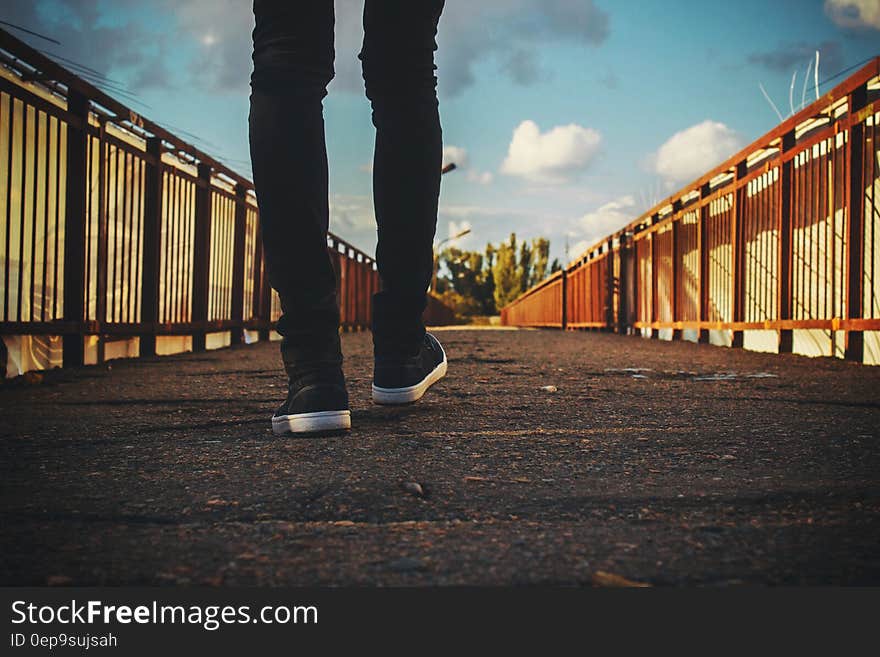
x: 568, y: 117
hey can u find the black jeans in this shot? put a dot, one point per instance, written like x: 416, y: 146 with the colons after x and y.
x: 293, y: 63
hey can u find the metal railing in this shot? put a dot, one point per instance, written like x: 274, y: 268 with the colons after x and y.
x: 114, y: 227
x: 784, y: 236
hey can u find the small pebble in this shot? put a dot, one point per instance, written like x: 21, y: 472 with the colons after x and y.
x: 549, y: 388
x: 406, y: 564
x: 413, y: 487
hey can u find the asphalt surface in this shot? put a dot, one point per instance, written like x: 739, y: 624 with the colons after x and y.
x: 699, y: 465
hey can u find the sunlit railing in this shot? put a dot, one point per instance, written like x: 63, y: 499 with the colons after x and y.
x: 777, y: 248
x: 120, y: 238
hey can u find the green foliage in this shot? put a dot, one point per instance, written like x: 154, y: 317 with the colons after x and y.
x: 540, y: 256
x: 507, y: 275
x: 475, y: 283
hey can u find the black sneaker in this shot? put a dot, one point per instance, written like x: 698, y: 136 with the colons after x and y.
x: 400, y: 379
x: 317, y: 401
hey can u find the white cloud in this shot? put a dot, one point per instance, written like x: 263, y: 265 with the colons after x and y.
x: 854, y: 13
x: 480, y: 177
x: 694, y: 151
x: 576, y: 249
x: 352, y: 218
x: 462, y: 160
x: 551, y: 156
x: 481, y: 211
x: 601, y: 222
x: 456, y: 228
x: 455, y: 154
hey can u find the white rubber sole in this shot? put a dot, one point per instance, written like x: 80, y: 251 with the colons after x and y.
x: 312, y: 422
x: 392, y: 396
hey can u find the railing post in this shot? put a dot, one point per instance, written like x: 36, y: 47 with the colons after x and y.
x: 855, y: 242
x: 786, y: 336
x: 703, y: 282
x: 655, y: 276
x: 737, y: 268
x: 201, y: 257
x: 266, y: 309
x: 609, y: 285
x: 624, y: 282
x: 152, y: 247
x: 237, y: 312
x: 257, y: 291
x: 75, y: 229
x: 676, y: 266
x: 103, y: 234
x: 564, y: 318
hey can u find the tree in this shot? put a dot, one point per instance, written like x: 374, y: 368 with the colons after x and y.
x: 540, y: 256
x: 505, y: 274
x: 524, y: 268
x: 489, y: 306
x: 468, y: 280
x: 475, y: 283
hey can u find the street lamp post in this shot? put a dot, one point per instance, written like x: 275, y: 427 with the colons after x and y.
x: 446, y: 169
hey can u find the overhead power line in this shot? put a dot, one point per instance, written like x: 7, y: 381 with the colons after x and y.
x: 36, y: 34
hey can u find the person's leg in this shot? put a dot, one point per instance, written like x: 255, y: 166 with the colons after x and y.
x: 398, y: 63
x: 293, y: 63
x: 398, y: 68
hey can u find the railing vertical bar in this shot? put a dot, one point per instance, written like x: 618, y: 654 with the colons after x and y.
x: 257, y: 292
x: 91, y: 227
x: 21, y: 260
x: 237, y: 306
x: 152, y: 246
x: 111, y: 180
x: 704, y: 281
x: 677, y: 267
x: 855, y: 345
x: 7, y: 248
x: 177, y: 271
x: 102, y: 260
x: 74, y: 227
x: 120, y: 260
x: 609, y: 285
x: 563, y: 320
x: 166, y: 241
x: 655, y: 278
x: 201, y: 255
x: 34, y: 202
x: 138, y: 249
x: 737, y: 269
x: 45, y: 267
x: 133, y: 236
x: 784, y: 299
x: 56, y: 202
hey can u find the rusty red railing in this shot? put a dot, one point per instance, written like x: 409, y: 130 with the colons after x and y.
x: 115, y: 231
x: 783, y: 237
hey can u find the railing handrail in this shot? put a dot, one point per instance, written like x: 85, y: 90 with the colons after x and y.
x: 537, y: 286
x: 780, y: 237
x: 764, y: 142
x: 43, y: 68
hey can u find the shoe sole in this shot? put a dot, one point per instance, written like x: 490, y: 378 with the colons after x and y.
x: 319, y: 421
x: 393, y: 396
